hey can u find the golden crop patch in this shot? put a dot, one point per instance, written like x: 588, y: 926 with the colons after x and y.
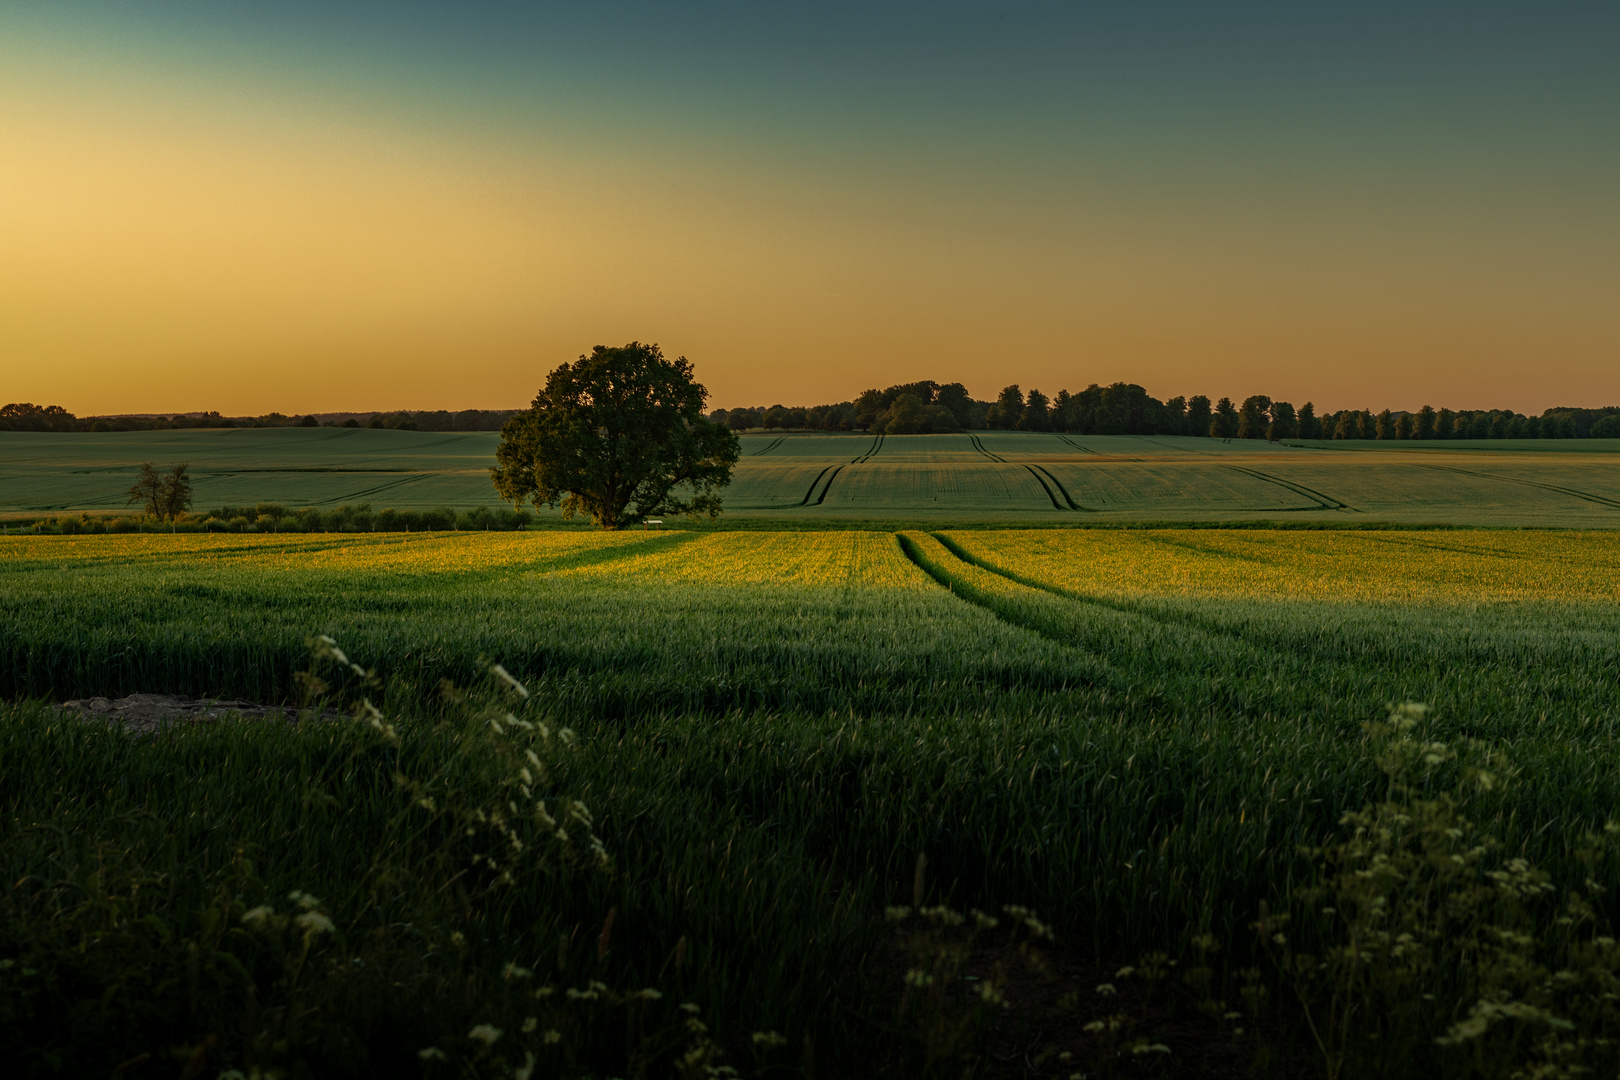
x: 1393, y: 566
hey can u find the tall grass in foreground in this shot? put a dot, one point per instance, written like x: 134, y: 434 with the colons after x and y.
x: 772, y: 730
x: 162, y: 894
x: 148, y: 927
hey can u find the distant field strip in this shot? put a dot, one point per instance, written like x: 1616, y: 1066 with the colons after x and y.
x: 1586, y: 495
x: 944, y: 478
x: 320, y: 467
x: 1415, y: 489
x: 1149, y: 486
x: 967, y: 488
x: 779, y: 483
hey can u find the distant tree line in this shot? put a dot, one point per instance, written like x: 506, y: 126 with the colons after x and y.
x: 1128, y: 409
x: 26, y: 416
x: 927, y: 406
x: 277, y: 518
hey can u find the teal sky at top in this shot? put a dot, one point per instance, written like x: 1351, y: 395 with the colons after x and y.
x: 1283, y: 115
x: 1523, y: 89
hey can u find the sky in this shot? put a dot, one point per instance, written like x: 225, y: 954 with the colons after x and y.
x: 341, y: 205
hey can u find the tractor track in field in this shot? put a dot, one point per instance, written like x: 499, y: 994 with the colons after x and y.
x: 1576, y: 493
x: 979, y: 446
x: 368, y: 492
x: 1106, y: 675
x: 877, y: 444
x: 1041, y: 480
x: 827, y: 486
x: 1257, y: 645
x: 768, y: 447
x: 1323, y: 502
x: 1062, y: 490
x: 1077, y: 446
x: 1048, y: 482
x: 1182, y: 622
x: 806, y: 500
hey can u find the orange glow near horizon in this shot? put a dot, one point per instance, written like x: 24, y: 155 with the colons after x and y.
x: 165, y: 254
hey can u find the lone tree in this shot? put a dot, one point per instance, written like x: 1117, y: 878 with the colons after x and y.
x: 162, y: 495
x: 619, y: 435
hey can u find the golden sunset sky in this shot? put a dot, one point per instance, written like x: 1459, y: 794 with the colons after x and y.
x: 314, y: 207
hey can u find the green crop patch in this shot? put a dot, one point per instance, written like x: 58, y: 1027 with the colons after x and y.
x: 1140, y: 734
x: 979, y: 477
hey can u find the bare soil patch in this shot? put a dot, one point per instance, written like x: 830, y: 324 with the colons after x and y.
x: 148, y: 714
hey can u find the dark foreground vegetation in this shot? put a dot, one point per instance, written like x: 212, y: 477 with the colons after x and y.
x: 747, y: 825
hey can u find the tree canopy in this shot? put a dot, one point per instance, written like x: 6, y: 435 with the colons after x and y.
x: 619, y: 435
x: 162, y: 495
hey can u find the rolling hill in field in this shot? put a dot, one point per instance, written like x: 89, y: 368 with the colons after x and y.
x: 976, y: 476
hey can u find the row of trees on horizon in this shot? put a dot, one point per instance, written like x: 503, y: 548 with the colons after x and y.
x: 1127, y: 409
x: 26, y: 416
x: 930, y: 407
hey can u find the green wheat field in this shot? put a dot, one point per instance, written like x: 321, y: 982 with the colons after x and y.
x: 672, y: 851
x: 811, y: 478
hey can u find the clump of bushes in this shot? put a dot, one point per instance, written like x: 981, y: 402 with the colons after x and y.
x: 276, y: 518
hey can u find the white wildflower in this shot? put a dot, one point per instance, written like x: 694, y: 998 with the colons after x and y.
x: 502, y: 674
x: 315, y: 923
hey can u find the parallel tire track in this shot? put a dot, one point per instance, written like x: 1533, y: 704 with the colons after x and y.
x: 979, y: 446
x: 1077, y: 446
x: 768, y: 447
x: 806, y: 500
x: 1041, y: 480
x: 1182, y: 622
x: 828, y: 487
x: 1033, y: 612
x: 1601, y: 500
x: 1064, y: 491
x: 877, y: 444
x: 1326, y: 502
